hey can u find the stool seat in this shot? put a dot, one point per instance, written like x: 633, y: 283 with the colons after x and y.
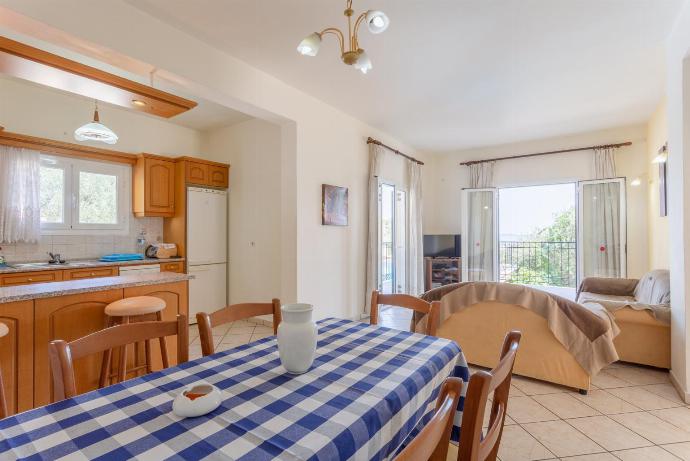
x: 134, y: 306
x: 3, y: 330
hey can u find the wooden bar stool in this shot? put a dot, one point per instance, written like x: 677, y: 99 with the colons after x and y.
x: 4, y: 411
x: 125, y: 311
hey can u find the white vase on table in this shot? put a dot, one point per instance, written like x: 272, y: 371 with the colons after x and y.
x: 297, y: 337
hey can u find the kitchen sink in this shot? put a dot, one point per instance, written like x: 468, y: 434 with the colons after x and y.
x: 67, y: 264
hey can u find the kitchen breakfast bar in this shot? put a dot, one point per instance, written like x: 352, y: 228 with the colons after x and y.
x: 39, y: 313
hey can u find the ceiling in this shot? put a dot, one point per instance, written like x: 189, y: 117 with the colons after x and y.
x: 453, y: 74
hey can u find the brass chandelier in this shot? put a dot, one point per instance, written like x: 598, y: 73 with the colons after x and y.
x: 376, y: 21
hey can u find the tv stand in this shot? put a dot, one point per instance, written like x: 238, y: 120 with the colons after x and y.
x: 441, y: 271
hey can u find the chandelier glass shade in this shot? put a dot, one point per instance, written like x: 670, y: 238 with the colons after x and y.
x: 95, y: 131
x: 350, y: 51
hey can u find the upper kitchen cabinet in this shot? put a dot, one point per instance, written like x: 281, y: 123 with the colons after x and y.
x: 200, y: 172
x: 154, y: 186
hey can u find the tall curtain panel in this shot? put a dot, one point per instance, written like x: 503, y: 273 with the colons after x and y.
x: 601, y: 206
x: 20, y: 176
x: 372, y: 277
x: 415, y: 241
x: 479, y: 258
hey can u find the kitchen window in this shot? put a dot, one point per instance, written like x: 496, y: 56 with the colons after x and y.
x: 84, y: 197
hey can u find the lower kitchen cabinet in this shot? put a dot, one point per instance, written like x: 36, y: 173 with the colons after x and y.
x: 16, y: 355
x: 68, y: 318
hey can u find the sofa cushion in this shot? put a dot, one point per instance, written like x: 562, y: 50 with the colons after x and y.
x: 654, y: 288
x: 597, y: 297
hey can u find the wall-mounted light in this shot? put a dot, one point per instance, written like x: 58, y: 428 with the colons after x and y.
x: 635, y: 182
x: 662, y: 156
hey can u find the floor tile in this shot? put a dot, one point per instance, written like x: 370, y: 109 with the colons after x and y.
x: 561, y: 439
x: 605, y: 380
x: 241, y: 329
x: 642, y: 398
x: 666, y: 391
x: 679, y: 417
x: 526, y: 410
x: 593, y: 457
x: 681, y: 450
x: 652, y: 428
x: 534, y: 387
x: 605, y: 402
x: 608, y: 433
x: 518, y: 445
x: 565, y: 405
x: 640, y: 376
x: 235, y: 340
x: 645, y: 454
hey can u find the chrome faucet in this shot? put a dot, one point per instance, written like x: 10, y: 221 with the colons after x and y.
x: 55, y: 258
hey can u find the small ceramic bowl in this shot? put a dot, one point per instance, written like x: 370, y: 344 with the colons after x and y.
x: 196, y: 400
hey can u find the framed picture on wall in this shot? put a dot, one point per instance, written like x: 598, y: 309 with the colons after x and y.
x: 663, y: 203
x: 333, y: 205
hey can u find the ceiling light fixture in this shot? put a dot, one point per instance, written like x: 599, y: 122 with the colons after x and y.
x: 95, y: 131
x: 138, y: 102
x: 376, y: 22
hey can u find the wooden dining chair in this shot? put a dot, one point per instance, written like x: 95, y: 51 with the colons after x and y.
x: 432, y: 442
x: 473, y: 445
x: 430, y: 309
x: 62, y: 354
x: 205, y: 322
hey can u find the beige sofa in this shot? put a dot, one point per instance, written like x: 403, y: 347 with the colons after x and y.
x: 641, y: 309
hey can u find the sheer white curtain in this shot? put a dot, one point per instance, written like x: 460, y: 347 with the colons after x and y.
x: 601, y: 219
x: 415, y: 241
x: 372, y: 277
x: 20, y: 217
x: 480, y: 212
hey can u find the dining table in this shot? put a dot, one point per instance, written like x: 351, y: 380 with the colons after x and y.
x: 369, y: 389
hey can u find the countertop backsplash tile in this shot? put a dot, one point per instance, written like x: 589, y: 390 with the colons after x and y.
x: 84, y: 246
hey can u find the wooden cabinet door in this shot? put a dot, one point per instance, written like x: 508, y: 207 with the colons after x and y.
x: 68, y: 318
x: 218, y: 176
x: 176, y: 299
x: 28, y: 278
x: 172, y: 267
x: 159, y: 187
x: 197, y: 173
x: 16, y: 355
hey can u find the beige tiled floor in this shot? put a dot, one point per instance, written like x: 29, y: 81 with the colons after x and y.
x: 632, y: 413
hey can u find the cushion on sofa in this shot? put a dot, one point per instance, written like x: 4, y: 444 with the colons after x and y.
x: 654, y: 288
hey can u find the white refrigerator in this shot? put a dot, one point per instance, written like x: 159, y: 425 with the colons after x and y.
x: 207, y: 248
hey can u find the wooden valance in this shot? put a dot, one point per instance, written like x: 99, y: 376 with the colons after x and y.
x: 66, y: 149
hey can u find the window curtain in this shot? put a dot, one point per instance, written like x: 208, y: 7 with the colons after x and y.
x: 601, y: 220
x: 480, y: 225
x: 415, y: 258
x: 20, y: 175
x: 372, y: 277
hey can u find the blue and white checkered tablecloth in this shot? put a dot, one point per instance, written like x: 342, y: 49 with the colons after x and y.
x: 367, y: 390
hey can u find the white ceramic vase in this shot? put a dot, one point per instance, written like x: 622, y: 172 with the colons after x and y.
x: 297, y: 338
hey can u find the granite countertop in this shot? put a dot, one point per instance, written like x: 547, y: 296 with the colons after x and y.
x: 80, y: 264
x: 72, y: 287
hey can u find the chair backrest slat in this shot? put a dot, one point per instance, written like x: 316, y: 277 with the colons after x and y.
x: 432, y: 441
x: 430, y: 309
x: 62, y: 354
x: 205, y: 321
x: 474, y: 447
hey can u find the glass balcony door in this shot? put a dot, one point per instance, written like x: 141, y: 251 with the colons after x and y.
x: 392, y: 239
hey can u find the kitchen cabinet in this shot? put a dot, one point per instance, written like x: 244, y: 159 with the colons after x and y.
x: 199, y: 172
x: 172, y: 267
x: 68, y: 318
x: 28, y: 278
x: 154, y: 186
x: 218, y: 176
x: 16, y: 355
x: 90, y: 273
x: 196, y: 173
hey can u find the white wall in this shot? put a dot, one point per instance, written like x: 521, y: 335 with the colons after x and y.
x: 447, y: 179
x: 253, y: 148
x: 657, y: 136
x: 678, y: 113
x: 37, y: 110
x: 328, y: 146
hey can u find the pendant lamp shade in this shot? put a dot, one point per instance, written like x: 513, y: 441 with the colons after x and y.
x: 95, y: 131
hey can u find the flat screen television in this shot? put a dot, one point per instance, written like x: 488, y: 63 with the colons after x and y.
x: 446, y: 246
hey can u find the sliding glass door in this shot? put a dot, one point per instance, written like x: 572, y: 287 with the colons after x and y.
x: 602, y: 228
x: 392, y: 239
x: 480, y: 235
